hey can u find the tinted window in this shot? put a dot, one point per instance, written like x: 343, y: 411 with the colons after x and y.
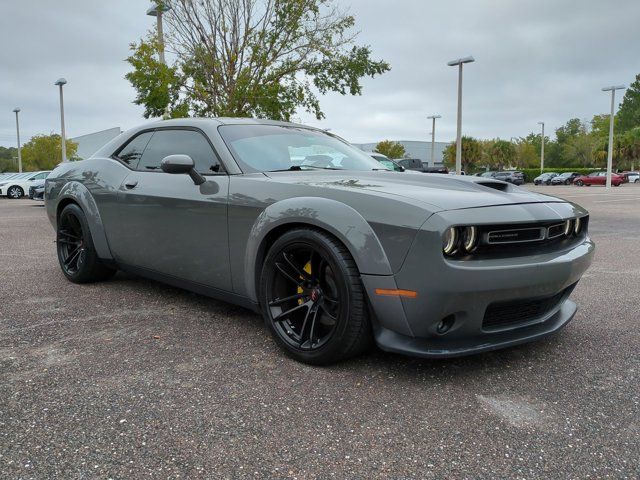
x: 184, y: 142
x: 273, y: 147
x: 132, y: 152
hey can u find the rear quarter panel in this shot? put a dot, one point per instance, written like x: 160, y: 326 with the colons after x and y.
x: 93, y: 184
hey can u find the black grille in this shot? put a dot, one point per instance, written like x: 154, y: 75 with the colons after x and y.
x: 516, y: 235
x: 508, y: 314
x: 509, y: 240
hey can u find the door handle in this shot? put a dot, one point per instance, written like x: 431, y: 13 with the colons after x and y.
x: 131, y: 184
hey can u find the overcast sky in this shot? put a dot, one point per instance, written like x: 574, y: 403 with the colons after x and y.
x: 536, y: 60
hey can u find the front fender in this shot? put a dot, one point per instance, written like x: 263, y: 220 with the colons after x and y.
x: 339, y: 219
x: 78, y: 193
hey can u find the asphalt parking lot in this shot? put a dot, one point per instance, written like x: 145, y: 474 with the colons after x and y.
x: 130, y: 378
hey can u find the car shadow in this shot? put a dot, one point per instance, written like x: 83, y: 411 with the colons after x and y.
x: 402, y: 368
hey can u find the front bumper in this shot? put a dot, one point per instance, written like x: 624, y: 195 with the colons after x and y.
x: 463, y: 292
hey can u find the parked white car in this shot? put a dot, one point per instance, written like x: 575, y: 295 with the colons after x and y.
x: 634, y: 177
x: 18, y: 185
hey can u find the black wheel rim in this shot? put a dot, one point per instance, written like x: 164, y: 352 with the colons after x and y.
x: 71, y: 243
x: 304, y: 297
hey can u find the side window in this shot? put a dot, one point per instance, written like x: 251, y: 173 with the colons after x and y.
x: 42, y: 176
x: 185, y: 142
x: 133, y: 150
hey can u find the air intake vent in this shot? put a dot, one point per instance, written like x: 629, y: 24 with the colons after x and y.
x: 503, y: 187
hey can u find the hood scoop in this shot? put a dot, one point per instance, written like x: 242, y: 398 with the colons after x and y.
x: 502, y: 186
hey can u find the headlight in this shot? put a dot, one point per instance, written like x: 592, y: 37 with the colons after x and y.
x: 2, y: 184
x: 568, y: 227
x: 450, y: 241
x: 578, y: 226
x: 470, y: 239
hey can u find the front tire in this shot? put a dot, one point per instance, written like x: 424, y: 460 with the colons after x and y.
x: 15, y: 192
x: 76, y: 254
x: 312, y: 298
x: 579, y: 183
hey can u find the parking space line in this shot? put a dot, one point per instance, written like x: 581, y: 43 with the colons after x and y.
x: 617, y: 200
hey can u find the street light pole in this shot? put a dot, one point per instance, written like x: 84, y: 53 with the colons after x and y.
x: 433, y: 138
x: 542, y: 148
x: 611, y: 89
x: 156, y: 10
x: 458, y: 63
x: 60, y: 83
x: 17, y: 110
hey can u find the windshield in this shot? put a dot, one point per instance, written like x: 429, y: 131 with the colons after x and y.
x: 268, y: 148
x: 565, y: 175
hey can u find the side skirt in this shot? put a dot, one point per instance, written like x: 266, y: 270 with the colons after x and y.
x: 194, y: 287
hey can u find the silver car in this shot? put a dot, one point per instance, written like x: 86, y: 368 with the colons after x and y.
x: 332, y: 249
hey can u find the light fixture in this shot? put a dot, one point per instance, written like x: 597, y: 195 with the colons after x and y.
x: 470, y: 238
x: 450, y: 241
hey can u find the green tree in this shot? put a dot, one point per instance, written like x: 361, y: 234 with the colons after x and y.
x: 7, y: 162
x: 262, y: 58
x: 629, y: 112
x: 157, y: 85
x: 500, y: 154
x: 600, y: 125
x: 558, y: 154
x: 581, y: 150
x: 44, y: 152
x: 7, y: 165
x: 630, y: 149
x: 471, y: 154
x: 391, y: 149
x: 527, y: 155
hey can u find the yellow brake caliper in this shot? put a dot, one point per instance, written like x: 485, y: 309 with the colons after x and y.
x: 307, y: 268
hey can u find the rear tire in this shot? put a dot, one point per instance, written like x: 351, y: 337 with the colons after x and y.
x: 76, y: 254
x: 312, y: 298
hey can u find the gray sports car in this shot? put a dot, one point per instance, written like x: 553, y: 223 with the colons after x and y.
x: 331, y: 247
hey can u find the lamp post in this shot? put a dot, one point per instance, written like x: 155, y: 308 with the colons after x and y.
x: 156, y: 10
x: 60, y: 83
x: 611, y: 89
x: 433, y: 138
x: 542, y: 148
x: 458, y: 63
x: 16, y: 111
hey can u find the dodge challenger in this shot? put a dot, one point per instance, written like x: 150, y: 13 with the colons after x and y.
x: 332, y: 248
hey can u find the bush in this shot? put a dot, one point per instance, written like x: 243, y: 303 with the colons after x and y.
x: 531, y: 173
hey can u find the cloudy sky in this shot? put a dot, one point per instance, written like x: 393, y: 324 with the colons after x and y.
x: 536, y: 60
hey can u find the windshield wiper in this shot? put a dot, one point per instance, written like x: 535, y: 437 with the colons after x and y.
x: 292, y: 168
x: 321, y: 168
x: 299, y: 168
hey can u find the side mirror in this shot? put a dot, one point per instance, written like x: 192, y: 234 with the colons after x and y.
x: 182, y: 164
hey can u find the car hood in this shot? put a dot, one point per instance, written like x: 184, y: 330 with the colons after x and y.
x: 439, y: 192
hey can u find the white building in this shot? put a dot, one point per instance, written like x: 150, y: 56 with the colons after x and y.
x: 91, y: 143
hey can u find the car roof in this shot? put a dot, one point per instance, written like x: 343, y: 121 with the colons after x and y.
x: 194, y: 121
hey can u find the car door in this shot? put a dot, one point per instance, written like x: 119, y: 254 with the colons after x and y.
x: 167, y: 224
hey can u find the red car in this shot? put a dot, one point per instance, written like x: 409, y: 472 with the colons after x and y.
x: 598, y: 178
